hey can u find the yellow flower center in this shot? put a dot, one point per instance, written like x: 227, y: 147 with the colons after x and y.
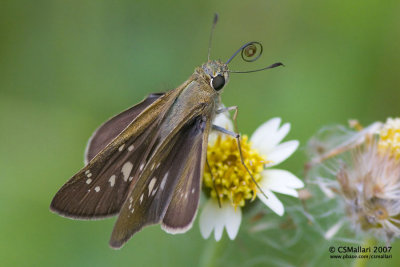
x: 228, y: 177
x: 389, y: 138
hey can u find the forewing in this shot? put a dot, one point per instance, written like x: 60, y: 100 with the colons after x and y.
x: 114, y: 126
x: 100, y: 188
x: 175, y: 168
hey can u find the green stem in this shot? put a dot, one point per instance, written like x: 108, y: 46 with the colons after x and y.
x: 368, y: 242
x: 212, y: 253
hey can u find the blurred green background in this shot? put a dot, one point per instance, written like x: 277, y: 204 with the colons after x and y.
x: 67, y: 66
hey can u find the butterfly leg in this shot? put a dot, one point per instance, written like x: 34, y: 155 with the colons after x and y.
x: 227, y: 109
x: 213, y: 180
x: 237, y: 137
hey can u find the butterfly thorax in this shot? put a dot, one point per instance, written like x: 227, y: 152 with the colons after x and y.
x: 212, y: 69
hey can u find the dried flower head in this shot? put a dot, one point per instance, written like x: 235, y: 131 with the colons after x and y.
x: 367, y: 178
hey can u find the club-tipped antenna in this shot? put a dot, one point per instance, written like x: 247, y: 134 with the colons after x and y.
x: 211, y: 34
x: 269, y: 67
x: 243, y: 48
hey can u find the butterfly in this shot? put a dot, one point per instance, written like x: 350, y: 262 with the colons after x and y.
x: 146, y: 164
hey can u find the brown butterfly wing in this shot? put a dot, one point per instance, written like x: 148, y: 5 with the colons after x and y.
x: 114, y: 126
x: 182, y: 209
x: 99, y: 189
x: 161, y: 186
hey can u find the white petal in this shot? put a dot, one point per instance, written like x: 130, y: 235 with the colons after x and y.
x: 265, y: 132
x: 219, y: 228
x: 266, y: 145
x: 233, y: 218
x: 285, y: 190
x: 223, y: 121
x: 217, y: 218
x: 272, y: 201
x: 281, y: 152
x: 281, y: 180
x: 207, y: 218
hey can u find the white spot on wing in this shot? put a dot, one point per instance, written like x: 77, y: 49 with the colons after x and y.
x: 87, y: 172
x: 141, y: 199
x: 154, y: 192
x: 97, y: 188
x: 164, y: 180
x: 126, y: 170
x: 112, y: 180
x: 151, y: 184
x: 88, y: 181
x: 130, y: 178
x: 131, y: 147
x: 193, y: 191
x: 121, y: 147
x: 89, y: 175
x: 130, y: 200
x: 141, y: 167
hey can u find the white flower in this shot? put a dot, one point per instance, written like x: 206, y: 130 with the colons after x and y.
x: 231, y: 182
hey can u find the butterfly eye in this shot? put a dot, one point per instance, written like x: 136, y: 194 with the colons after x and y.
x: 218, y: 82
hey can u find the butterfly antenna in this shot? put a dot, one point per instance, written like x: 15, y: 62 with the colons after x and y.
x: 250, y: 52
x: 211, y: 34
